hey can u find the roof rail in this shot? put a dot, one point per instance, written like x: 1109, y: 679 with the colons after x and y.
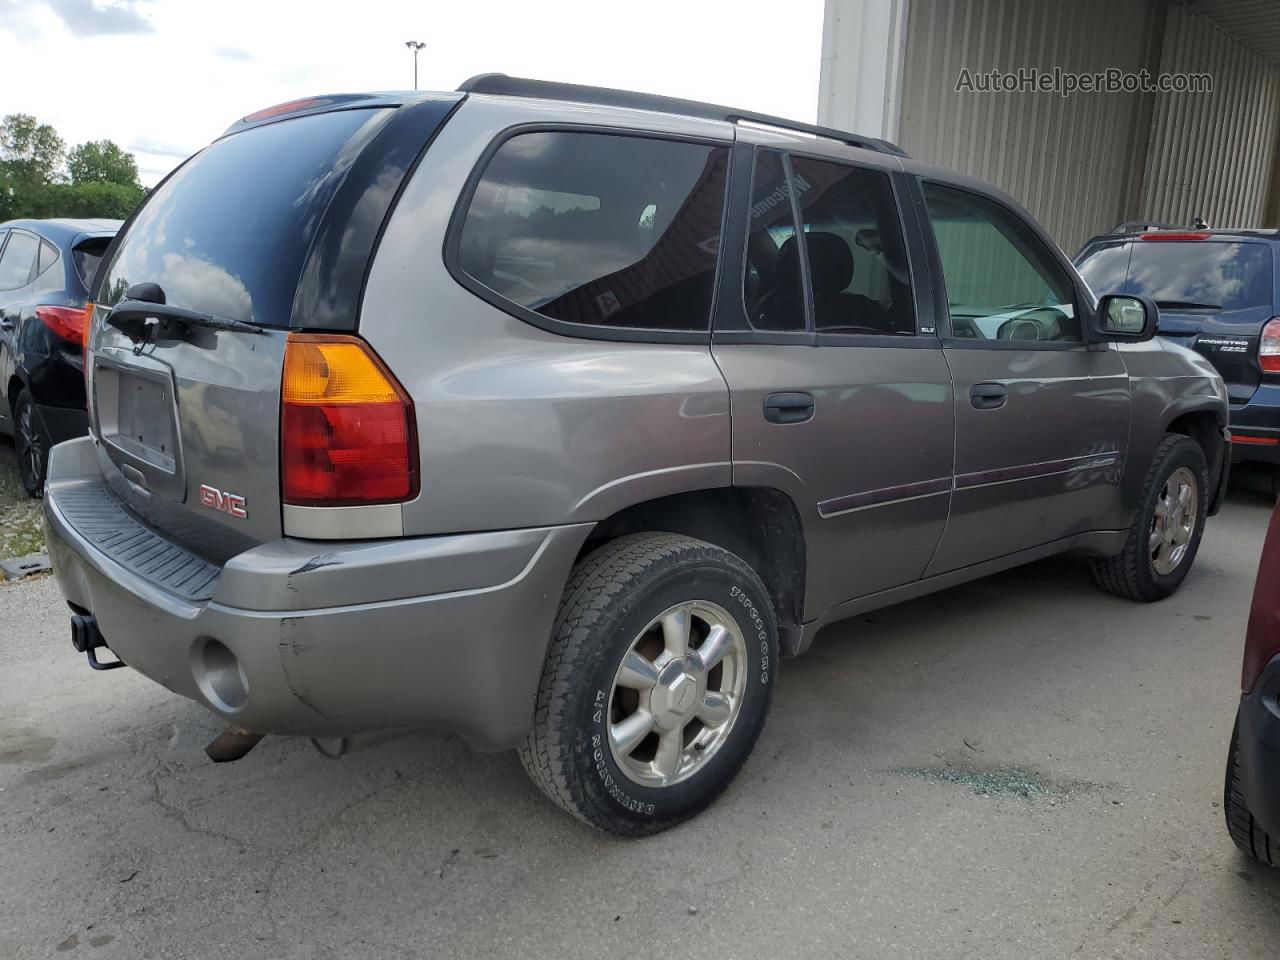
x: 503, y: 85
x: 1138, y: 226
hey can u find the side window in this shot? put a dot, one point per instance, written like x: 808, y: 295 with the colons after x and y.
x: 599, y: 229
x: 17, y: 260
x: 1001, y: 282
x: 857, y: 255
x: 48, y: 257
x: 772, y: 288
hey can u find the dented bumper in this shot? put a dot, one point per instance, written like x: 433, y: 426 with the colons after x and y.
x: 327, y: 638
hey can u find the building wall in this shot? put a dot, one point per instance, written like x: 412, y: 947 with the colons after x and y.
x: 1211, y: 155
x: 1084, y: 163
x: 1073, y: 162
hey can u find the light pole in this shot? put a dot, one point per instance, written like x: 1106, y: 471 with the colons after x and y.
x: 415, y: 46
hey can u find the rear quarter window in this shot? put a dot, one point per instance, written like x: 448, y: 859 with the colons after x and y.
x: 597, y: 230
x: 227, y: 234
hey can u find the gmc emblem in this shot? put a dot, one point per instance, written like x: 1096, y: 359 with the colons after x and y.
x: 231, y: 503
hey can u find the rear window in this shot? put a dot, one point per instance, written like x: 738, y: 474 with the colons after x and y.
x: 228, y: 232
x: 599, y: 229
x: 1186, y: 274
x: 87, y: 255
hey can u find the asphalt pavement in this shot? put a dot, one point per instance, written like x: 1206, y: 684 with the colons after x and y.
x: 1022, y: 767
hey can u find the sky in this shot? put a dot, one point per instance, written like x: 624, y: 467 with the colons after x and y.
x: 162, y: 78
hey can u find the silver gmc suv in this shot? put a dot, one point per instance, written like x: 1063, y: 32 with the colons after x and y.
x: 555, y: 416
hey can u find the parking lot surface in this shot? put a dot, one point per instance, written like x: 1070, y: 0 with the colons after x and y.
x: 1020, y: 767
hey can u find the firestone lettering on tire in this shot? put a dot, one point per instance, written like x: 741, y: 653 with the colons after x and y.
x: 761, y: 634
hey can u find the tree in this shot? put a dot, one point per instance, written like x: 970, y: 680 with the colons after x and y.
x: 103, y: 177
x: 29, y: 150
x: 95, y: 199
x: 101, y: 161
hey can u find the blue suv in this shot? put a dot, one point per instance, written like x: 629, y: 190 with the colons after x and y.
x: 1218, y: 291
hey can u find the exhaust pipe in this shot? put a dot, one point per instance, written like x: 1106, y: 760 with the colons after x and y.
x: 232, y: 744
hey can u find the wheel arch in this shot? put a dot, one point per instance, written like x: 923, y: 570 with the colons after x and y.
x: 759, y: 524
x: 1205, y: 425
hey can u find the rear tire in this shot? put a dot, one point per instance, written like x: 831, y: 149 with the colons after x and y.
x: 630, y: 735
x: 1162, y: 541
x: 1252, y: 840
x: 30, y: 445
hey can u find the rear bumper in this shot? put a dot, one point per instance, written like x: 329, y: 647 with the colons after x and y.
x: 1259, y: 745
x: 1259, y: 420
x: 332, y: 638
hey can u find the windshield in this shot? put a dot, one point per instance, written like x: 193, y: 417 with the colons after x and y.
x: 1189, y: 275
x: 227, y: 233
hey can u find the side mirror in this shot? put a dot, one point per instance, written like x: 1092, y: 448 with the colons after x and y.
x: 1124, y: 318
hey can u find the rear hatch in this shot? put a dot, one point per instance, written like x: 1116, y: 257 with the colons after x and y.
x: 268, y: 230
x: 1215, y: 294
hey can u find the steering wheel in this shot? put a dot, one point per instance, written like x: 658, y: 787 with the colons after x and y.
x: 1039, y: 323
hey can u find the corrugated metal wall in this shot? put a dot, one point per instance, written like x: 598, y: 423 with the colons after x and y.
x: 1083, y: 163
x: 1211, y: 155
x: 1075, y: 163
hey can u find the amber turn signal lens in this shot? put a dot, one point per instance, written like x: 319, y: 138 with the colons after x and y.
x: 346, y: 426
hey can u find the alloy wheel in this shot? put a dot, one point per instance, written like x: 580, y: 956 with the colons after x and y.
x: 28, y: 447
x: 677, y: 693
x: 1173, y: 524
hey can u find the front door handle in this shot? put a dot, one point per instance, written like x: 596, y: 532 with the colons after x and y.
x: 788, y: 407
x: 988, y: 396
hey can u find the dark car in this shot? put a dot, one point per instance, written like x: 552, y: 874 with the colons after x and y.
x: 46, y: 267
x: 1252, y: 800
x: 1218, y: 294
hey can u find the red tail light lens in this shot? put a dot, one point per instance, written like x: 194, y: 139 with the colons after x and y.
x: 1174, y: 235
x: 1269, y: 347
x: 66, y: 322
x: 346, y: 426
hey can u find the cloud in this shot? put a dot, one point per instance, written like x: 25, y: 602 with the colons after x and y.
x: 234, y: 53
x: 158, y: 148
x: 18, y: 17
x: 85, y: 18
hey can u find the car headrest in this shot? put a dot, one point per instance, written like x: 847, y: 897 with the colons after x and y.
x: 830, y: 261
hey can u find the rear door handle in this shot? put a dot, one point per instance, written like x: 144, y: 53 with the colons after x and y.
x: 788, y: 407
x: 988, y: 396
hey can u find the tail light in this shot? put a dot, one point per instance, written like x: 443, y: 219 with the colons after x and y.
x: 346, y: 426
x: 1269, y: 347
x: 1262, y: 641
x: 67, y: 322
x: 1174, y: 235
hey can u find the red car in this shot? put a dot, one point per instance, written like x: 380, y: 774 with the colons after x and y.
x: 1252, y: 800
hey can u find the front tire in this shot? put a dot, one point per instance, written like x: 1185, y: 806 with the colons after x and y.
x: 30, y: 445
x: 1166, y: 530
x: 656, y: 684
x: 1252, y: 840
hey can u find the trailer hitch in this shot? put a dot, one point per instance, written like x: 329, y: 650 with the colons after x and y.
x: 87, y: 638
